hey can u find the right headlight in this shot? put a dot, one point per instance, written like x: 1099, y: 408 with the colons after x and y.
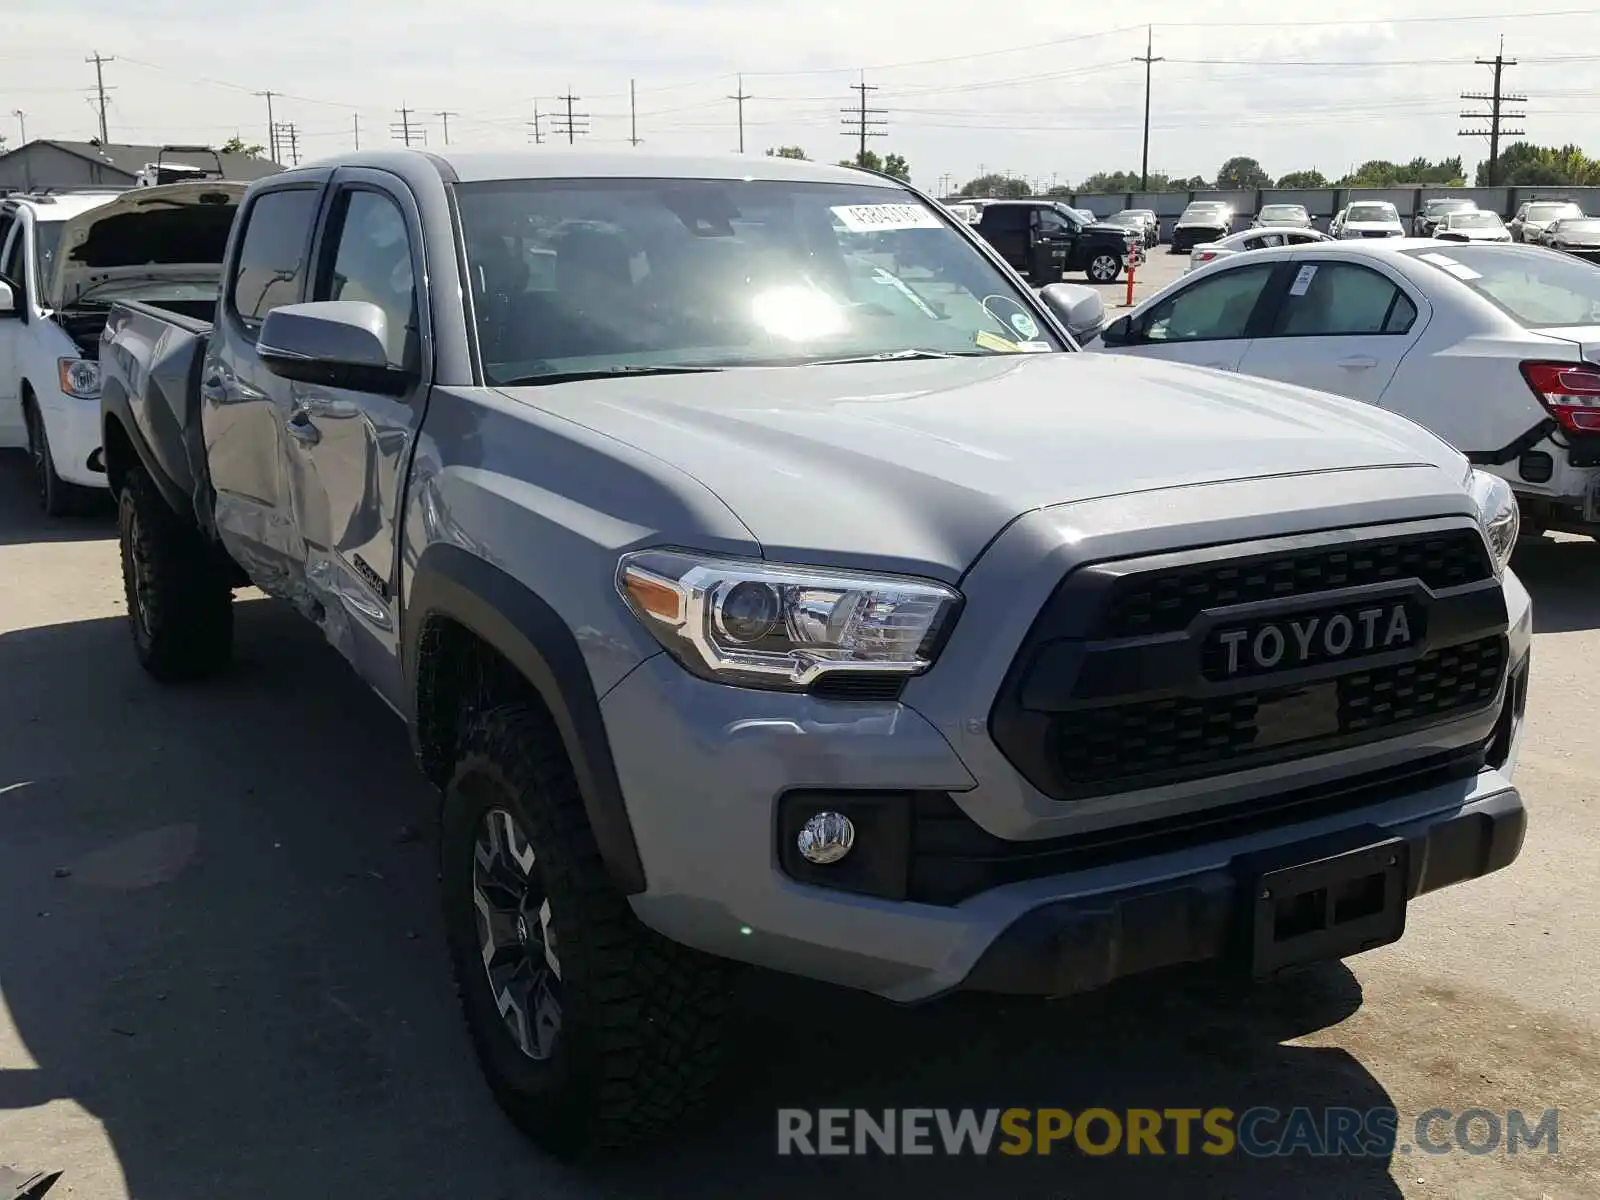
x: 1498, y: 515
x: 761, y: 624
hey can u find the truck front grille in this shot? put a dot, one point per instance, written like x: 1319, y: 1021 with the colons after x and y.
x: 1102, y: 749
x: 1117, y: 686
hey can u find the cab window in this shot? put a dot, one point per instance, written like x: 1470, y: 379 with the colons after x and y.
x: 271, y: 269
x: 372, y: 262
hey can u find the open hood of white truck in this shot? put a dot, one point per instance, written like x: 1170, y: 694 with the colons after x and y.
x: 174, y: 231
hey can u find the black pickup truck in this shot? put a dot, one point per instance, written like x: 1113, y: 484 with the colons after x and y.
x: 1044, y: 241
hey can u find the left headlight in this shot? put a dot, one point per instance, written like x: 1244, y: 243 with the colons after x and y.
x: 1498, y: 515
x: 80, y: 377
x: 760, y: 624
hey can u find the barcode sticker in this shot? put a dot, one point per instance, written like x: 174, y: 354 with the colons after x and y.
x: 873, y: 218
x: 1302, y: 281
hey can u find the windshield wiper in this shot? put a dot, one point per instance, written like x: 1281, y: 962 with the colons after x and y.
x: 893, y: 356
x: 599, y: 373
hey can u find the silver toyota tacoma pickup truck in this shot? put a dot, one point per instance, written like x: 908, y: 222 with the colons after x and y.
x: 765, y: 578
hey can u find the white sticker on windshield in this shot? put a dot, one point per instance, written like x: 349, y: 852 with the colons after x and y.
x: 1034, y: 347
x: 1459, y: 269
x: 1023, y: 324
x: 1302, y: 281
x: 872, y: 218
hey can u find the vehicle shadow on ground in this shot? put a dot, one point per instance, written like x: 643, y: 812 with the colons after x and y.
x: 22, y: 522
x: 1563, y: 577
x: 220, y: 935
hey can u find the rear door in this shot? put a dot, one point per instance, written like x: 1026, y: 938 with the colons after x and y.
x: 1340, y: 326
x: 244, y: 407
x: 347, y: 452
x: 11, y: 330
x: 1207, y: 323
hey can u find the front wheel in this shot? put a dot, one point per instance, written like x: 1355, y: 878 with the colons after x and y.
x: 1104, y: 268
x: 594, y: 1032
x: 57, y: 497
x: 180, y: 604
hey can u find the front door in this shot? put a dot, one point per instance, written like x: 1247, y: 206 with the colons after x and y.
x: 347, y: 453
x: 1340, y: 327
x: 1207, y: 323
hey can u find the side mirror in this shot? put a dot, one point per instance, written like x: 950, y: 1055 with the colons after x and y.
x: 337, y: 343
x: 1118, y: 333
x: 8, y: 300
x: 1079, y: 308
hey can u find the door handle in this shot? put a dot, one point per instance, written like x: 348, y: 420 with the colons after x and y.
x: 302, y: 430
x: 1360, y: 362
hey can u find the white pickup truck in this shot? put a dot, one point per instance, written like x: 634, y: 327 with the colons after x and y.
x: 63, y: 259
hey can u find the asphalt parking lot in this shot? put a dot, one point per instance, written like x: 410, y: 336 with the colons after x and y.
x: 222, y: 974
x: 1159, y: 269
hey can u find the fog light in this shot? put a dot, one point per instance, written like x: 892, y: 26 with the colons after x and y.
x: 826, y: 838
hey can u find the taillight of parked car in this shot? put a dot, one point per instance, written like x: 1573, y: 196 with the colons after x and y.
x: 1201, y: 256
x: 1570, y: 391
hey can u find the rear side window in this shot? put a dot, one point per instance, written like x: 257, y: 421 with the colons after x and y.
x: 271, y: 269
x: 1343, y: 298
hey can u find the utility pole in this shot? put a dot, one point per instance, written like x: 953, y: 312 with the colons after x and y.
x: 571, y: 126
x: 272, y: 127
x: 404, y: 129
x: 861, y: 122
x: 1147, y: 59
x: 355, y: 126
x: 287, y: 139
x: 445, y: 117
x: 633, y: 115
x: 22, y: 125
x: 536, y: 128
x: 1496, y: 114
x: 99, y: 62
x: 741, y: 98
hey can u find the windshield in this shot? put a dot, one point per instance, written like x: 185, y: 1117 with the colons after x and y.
x: 46, y: 240
x: 1203, y: 210
x: 630, y: 274
x: 1373, y: 212
x: 1584, y: 225
x: 1535, y: 288
x: 1126, y: 217
x: 1552, y: 212
x: 1282, y: 210
x: 1435, y: 207
x: 1472, y: 220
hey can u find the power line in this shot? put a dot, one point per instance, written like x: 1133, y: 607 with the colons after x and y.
x: 445, y: 116
x: 272, y: 128
x: 404, y: 129
x: 1148, y: 59
x: 99, y: 62
x: 1496, y: 114
x: 741, y: 98
x: 570, y: 124
x: 862, y: 122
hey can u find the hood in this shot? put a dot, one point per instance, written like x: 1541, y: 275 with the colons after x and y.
x: 922, y: 463
x: 1122, y: 231
x: 1383, y: 224
x: 1207, y: 220
x: 1478, y: 235
x: 176, y: 230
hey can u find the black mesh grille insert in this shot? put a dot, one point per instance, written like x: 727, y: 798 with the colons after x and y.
x: 1166, y: 602
x: 1120, y: 747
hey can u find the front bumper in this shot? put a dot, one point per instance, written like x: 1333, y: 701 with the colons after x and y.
x: 73, y: 426
x: 706, y: 769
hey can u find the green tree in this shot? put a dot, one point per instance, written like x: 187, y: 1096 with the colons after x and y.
x: 1242, y: 173
x: 1059, y: 189
x: 896, y: 165
x: 1304, y: 179
x: 1522, y: 164
x: 1110, y: 182
x: 787, y: 152
x: 237, y: 145
x: 995, y: 186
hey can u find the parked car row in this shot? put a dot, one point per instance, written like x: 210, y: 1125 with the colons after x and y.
x: 766, y: 577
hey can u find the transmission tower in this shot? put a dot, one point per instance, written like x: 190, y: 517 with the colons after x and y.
x: 1496, y: 115
x: 573, y: 123
x: 861, y: 122
x: 405, y: 129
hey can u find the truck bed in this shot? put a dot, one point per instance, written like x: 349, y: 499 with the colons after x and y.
x: 150, y: 363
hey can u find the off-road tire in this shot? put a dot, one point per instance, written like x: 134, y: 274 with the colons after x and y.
x: 641, y: 1015
x: 180, y: 602
x: 57, y: 497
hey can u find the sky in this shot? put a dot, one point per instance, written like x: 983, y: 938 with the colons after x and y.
x: 1050, y: 93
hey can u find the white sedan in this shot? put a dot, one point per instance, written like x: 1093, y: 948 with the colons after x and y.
x: 1251, y: 239
x: 1494, y: 348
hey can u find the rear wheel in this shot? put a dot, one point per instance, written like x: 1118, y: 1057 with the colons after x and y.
x: 57, y: 497
x: 594, y: 1032
x: 180, y: 603
x: 1104, y: 268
